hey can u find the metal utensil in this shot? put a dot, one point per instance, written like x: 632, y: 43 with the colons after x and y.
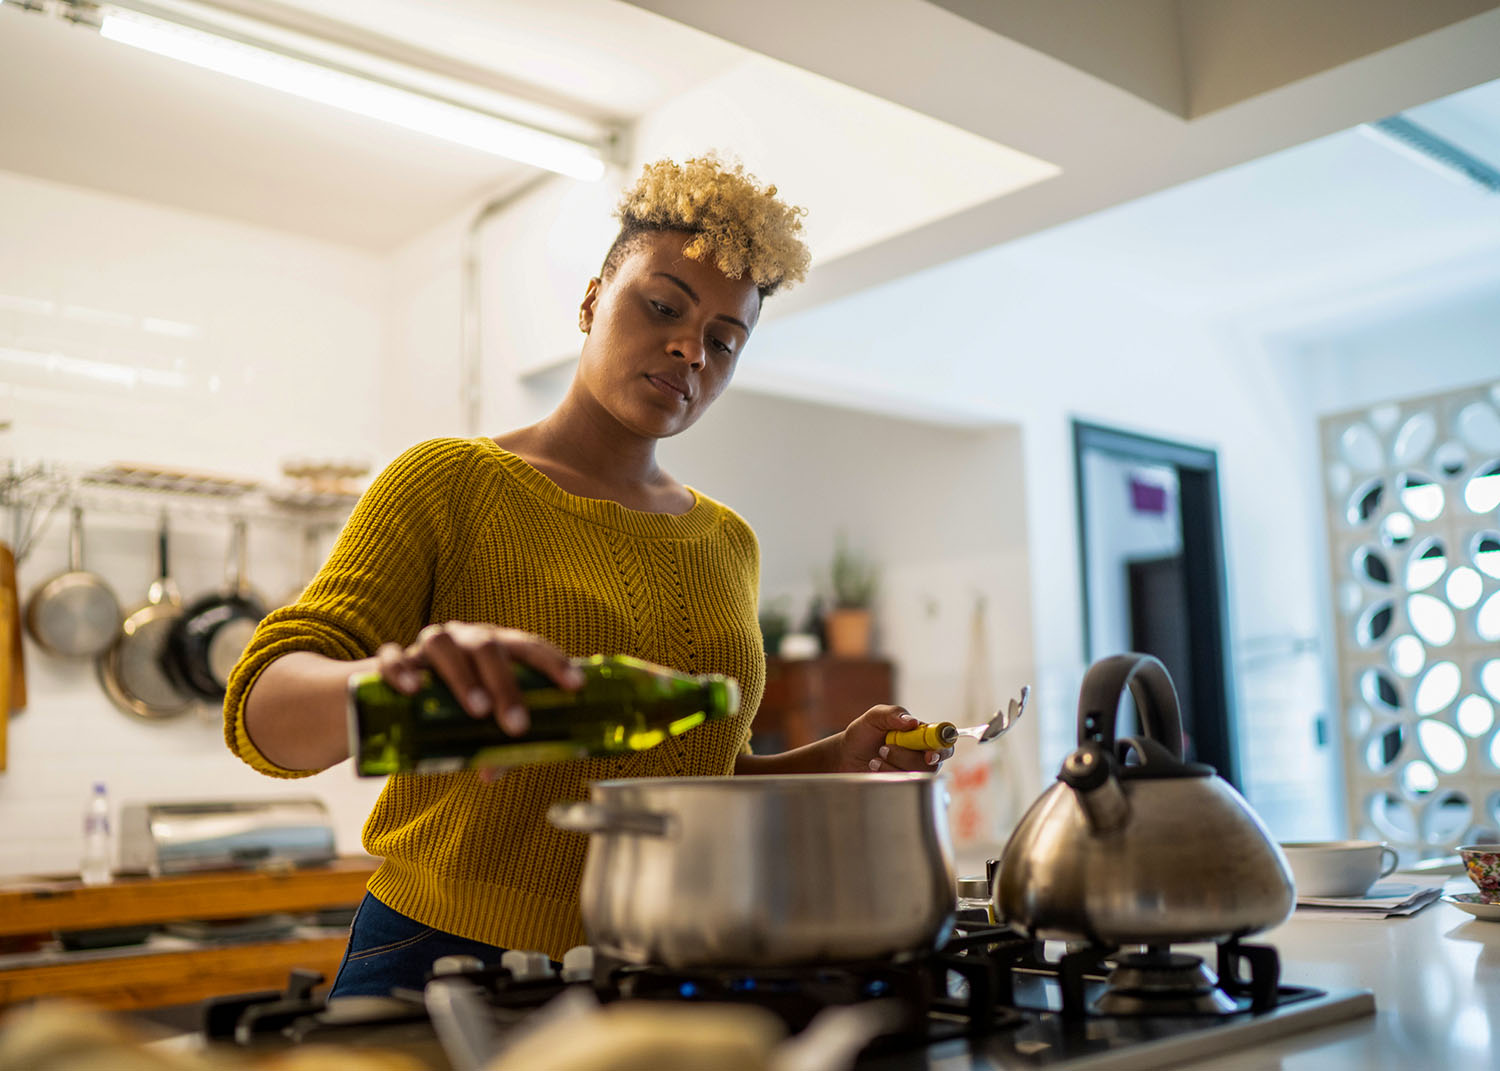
x: 75, y: 614
x: 131, y: 670
x: 943, y: 734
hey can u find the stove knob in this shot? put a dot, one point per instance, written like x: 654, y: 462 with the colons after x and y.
x: 446, y: 965
x: 578, y: 964
x: 527, y: 966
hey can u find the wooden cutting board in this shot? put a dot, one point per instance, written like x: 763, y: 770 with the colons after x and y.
x: 7, y: 665
x: 17, y: 687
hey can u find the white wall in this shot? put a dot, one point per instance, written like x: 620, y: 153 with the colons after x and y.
x: 288, y: 347
x: 1037, y: 336
x: 935, y: 507
x: 1027, y: 336
x: 1447, y: 340
x: 249, y: 345
x: 938, y: 508
x: 246, y: 346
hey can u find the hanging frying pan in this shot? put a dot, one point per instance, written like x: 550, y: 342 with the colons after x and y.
x: 131, y: 670
x: 75, y: 614
x: 213, y: 631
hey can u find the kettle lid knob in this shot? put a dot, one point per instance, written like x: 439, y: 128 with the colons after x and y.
x: 1086, y: 768
x: 1089, y: 771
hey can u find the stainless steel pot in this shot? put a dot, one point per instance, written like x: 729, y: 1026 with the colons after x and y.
x: 760, y: 871
x: 1149, y: 853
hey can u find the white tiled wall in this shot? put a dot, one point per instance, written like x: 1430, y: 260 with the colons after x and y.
x: 132, y: 332
x: 188, y: 340
x: 939, y: 509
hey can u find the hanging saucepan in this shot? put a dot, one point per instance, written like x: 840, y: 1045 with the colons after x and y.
x: 209, y: 636
x: 75, y: 614
x: 131, y: 670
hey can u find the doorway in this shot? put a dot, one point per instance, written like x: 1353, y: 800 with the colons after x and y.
x: 1151, y: 553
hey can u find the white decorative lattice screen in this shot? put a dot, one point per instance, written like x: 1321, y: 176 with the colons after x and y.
x: 1413, y: 493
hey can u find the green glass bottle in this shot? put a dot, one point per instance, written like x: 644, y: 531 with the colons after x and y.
x: 625, y: 705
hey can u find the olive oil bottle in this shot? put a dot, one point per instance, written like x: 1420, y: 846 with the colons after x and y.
x: 625, y: 705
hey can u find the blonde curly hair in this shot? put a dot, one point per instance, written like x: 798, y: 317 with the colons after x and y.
x: 735, y: 224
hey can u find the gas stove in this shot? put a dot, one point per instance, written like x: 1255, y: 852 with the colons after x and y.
x: 989, y: 998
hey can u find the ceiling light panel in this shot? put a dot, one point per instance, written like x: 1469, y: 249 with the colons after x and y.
x: 283, y: 70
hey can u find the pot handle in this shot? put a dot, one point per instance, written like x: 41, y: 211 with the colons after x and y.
x: 234, y: 566
x: 1155, y: 700
x: 586, y: 817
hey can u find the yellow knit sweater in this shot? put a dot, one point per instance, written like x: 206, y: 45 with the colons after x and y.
x: 462, y: 530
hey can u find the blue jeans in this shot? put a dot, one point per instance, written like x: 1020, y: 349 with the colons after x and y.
x: 387, y: 950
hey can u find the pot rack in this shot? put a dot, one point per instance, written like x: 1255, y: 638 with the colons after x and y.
x: 34, y: 492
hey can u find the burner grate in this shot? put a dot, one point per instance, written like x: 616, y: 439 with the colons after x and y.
x: 990, y: 988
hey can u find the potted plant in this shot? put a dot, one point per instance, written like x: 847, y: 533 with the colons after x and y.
x: 775, y: 622
x: 853, y: 582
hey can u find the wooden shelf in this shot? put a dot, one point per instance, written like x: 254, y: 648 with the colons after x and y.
x: 808, y: 699
x: 157, y: 979
x: 42, y: 906
x: 151, y: 976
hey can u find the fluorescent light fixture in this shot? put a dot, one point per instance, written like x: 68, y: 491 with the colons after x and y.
x: 353, y: 93
x: 1417, y: 143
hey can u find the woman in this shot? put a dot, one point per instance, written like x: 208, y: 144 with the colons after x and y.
x: 560, y: 539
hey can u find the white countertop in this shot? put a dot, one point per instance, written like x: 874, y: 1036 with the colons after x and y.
x: 1436, y: 980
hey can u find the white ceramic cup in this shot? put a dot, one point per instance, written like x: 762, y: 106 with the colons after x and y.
x: 1338, y: 867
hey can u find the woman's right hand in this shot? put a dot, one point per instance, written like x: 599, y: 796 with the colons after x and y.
x: 477, y: 662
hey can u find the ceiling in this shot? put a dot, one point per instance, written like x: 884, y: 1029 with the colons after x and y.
x: 1319, y: 231
x: 144, y: 126
x: 1295, y: 255
x: 1061, y: 83
x: 85, y: 111
x: 1113, y: 142
x: 1192, y: 57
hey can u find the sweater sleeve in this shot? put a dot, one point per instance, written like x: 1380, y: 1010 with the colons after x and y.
x: 376, y: 586
x: 742, y: 536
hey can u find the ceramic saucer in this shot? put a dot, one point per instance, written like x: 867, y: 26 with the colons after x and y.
x: 1475, y: 905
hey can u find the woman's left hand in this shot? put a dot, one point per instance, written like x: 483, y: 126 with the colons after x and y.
x: 862, y: 747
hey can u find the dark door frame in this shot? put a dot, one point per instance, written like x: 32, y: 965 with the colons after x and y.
x: 1203, y: 562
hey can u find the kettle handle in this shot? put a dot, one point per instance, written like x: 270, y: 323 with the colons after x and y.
x: 1155, y: 700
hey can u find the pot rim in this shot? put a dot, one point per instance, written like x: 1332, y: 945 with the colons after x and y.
x: 746, y: 782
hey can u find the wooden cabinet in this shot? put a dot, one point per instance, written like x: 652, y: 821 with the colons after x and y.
x: 808, y: 699
x: 161, y: 973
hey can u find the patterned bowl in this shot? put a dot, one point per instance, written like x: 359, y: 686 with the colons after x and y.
x: 1482, y: 861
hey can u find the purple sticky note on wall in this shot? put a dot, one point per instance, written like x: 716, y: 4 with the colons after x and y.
x: 1147, y: 497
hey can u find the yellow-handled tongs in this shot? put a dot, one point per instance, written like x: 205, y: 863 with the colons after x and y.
x: 943, y: 734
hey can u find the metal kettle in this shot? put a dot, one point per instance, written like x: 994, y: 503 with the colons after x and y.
x: 1149, y: 853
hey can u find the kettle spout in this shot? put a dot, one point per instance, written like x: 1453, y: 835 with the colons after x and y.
x: 1089, y: 772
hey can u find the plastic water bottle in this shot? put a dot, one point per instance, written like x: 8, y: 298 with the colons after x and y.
x: 95, y: 865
